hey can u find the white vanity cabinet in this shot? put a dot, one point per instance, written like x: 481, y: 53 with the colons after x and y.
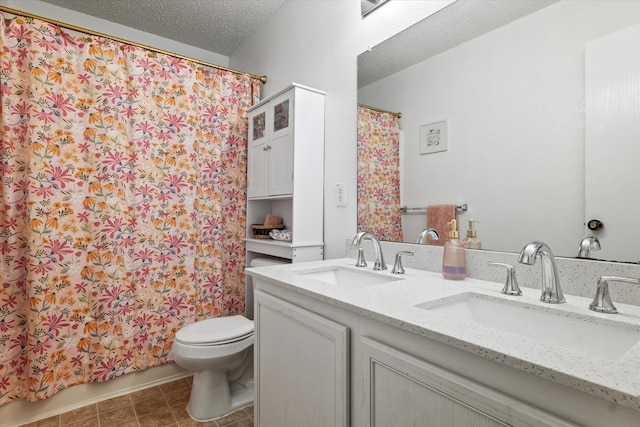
x: 394, y: 375
x: 285, y: 172
x: 301, y: 366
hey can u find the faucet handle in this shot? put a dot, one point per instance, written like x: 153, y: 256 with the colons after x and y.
x: 511, y: 284
x: 397, y: 266
x: 361, y: 262
x: 602, y: 301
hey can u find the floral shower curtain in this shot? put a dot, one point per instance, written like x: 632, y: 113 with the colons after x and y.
x: 122, y: 186
x: 379, y: 174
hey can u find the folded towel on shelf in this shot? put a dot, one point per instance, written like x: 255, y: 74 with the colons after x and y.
x: 285, y: 235
x: 437, y: 217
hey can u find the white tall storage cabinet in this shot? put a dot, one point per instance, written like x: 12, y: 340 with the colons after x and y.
x: 285, y: 172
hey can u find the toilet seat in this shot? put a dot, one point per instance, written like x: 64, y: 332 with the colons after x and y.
x: 216, y: 331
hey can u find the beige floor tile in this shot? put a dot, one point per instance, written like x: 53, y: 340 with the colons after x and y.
x: 80, y: 414
x: 146, y: 394
x: 160, y: 406
x: 249, y: 410
x: 117, y: 417
x: 246, y: 422
x: 131, y: 423
x: 161, y: 417
x: 47, y: 422
x: 233, y: 417
x: 150, y: 406
x: 180, y: 413
x: 85, y: 422
x: 175, y: 386
x: 193, y: 423
x: 114, y: 403
x: 178, y: 398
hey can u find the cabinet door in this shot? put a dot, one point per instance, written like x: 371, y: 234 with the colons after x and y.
x: 301, y: 366
x: 401, y: 390
x: 258, y: 154
x: 281, y: 144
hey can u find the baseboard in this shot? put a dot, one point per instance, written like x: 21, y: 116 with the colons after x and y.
x: 23, y: 412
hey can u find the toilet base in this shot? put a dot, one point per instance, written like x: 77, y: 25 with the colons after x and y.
x: 213, y: 397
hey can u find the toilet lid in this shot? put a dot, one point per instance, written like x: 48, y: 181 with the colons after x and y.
x: 216, y: 330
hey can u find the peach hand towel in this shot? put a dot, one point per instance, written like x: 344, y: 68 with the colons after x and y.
x: 437, y: 217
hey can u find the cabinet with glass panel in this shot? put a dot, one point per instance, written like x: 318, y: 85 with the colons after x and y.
x: 285, y: 173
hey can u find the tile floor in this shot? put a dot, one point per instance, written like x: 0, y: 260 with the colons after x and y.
x: 160, y: 406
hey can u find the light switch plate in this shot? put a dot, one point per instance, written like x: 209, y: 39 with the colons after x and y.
x: 341, y: 194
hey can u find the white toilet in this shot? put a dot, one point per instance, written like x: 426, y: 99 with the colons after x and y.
x: 220, y: 353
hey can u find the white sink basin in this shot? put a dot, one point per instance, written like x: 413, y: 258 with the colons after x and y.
x: 588, y: 334
x: 343, y: 276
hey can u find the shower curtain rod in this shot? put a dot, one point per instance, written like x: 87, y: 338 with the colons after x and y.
x: 263, y: 79
x: 398, y: 115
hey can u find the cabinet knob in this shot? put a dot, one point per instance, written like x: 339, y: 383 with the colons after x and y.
x: 266, y: 148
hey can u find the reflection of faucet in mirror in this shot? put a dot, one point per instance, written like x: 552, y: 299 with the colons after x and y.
x: 587, y: 244
x: 422, y: 238
x: 379, y: 264
x: 551, y: 291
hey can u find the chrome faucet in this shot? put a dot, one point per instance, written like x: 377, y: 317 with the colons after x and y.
x: 587, y: 244
x: 551, y: 290
x: 379, y: 264
x: 422, y: 238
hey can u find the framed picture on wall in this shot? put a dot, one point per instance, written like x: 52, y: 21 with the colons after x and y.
x: 433, y: 137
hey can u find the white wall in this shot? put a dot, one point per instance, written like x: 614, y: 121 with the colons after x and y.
x: 316, y: 43
x: 514, y: 100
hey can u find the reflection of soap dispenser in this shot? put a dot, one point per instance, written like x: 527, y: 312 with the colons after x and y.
x: 454, y: 261
x: 471, y: 241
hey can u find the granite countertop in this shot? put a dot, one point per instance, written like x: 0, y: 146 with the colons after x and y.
x: 396, y: 303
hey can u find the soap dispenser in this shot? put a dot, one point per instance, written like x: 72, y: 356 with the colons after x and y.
x: 472, y: 241
x: 454, y: 261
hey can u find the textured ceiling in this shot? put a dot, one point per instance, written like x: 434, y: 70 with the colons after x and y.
x: 220, y: 26
x: 457, y: 23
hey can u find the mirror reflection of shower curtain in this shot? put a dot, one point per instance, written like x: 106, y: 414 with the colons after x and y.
x: 379, y: 174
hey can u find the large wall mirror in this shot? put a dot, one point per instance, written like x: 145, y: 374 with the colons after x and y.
x: 540, y: 100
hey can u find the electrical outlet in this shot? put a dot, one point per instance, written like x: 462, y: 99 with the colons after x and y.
x: 341, y: 194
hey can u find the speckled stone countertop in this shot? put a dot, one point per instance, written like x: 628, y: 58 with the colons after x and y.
x: 396, y: 303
